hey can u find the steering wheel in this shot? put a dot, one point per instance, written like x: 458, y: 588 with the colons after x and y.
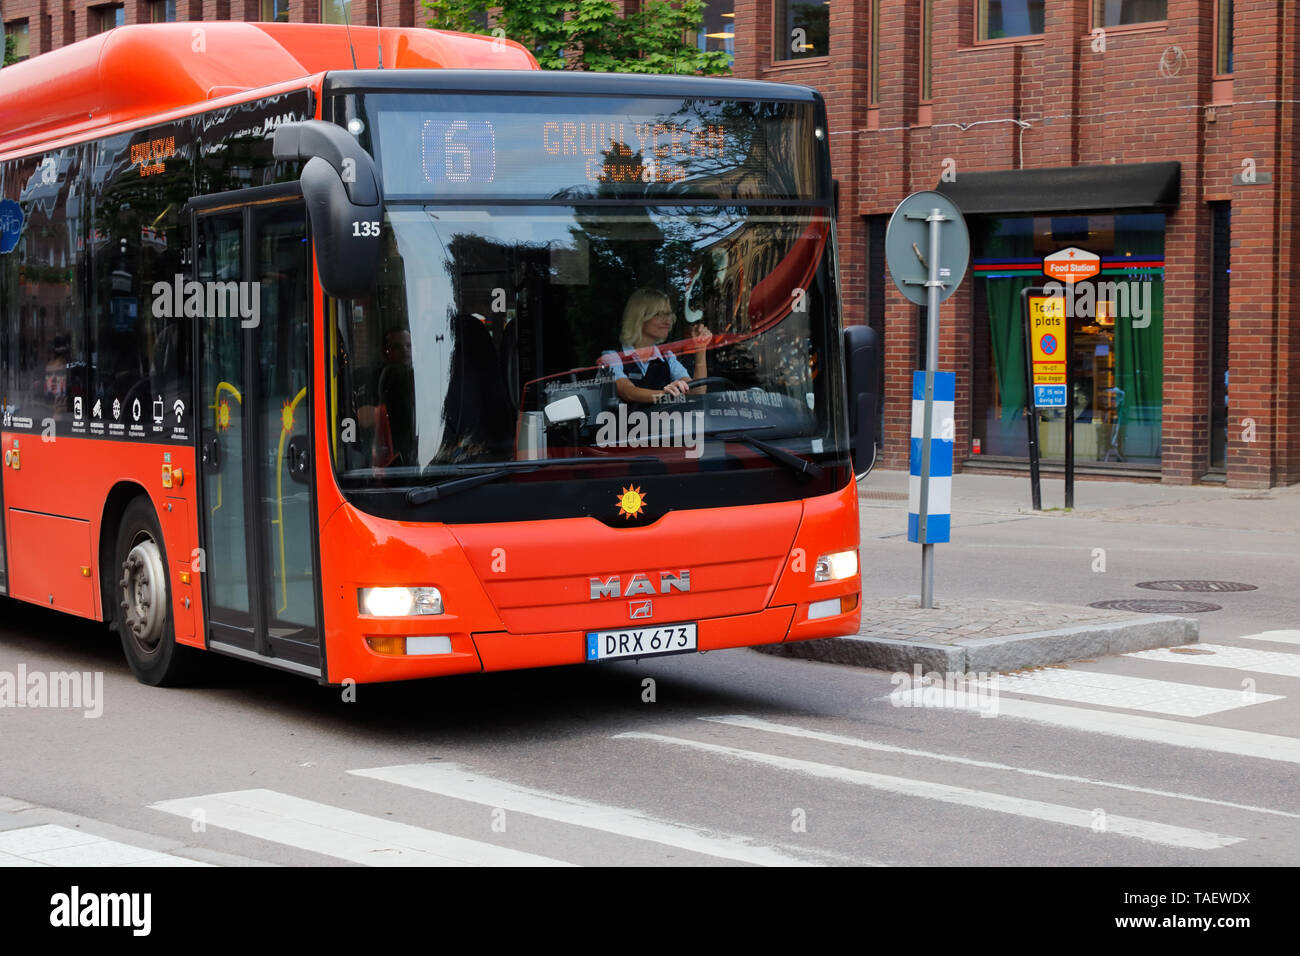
x: 713, y: 380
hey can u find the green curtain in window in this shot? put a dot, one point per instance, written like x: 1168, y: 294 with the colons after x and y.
x: 1139, y: 353
x: 1139, y: 363
x: 1007, y: 336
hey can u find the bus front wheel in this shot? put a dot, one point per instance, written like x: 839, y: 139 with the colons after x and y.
x: 144, y: 614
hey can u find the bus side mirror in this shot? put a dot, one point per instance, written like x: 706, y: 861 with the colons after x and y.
x: 862, y: 367
x: 344, y: 203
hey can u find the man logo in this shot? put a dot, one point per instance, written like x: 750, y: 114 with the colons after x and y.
x: 612, y: 587
x: 639, y: 609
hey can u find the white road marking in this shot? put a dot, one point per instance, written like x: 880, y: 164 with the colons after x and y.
x: 1243, y: 743
x: 1120, y: 690
x: 1277, y: 637
x: 755, y: 723
x: 1277, y: 663
x: 52, y: 845
x: 345, y: 834
x: 1147, y: 830
x: 452, y: 780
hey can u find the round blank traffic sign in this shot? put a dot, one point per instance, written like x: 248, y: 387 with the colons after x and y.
x: 907, y: 245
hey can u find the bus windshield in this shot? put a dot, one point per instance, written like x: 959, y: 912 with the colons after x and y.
x: 586, y: 338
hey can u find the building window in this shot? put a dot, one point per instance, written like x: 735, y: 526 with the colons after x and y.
x: 802, y: 29
x: 1223, y: 39
x: 335, y: 11
x: 162, y: 11
x: 927, y: 18
x: 718, y: 32
x: 1220, y: 274
x: 1000, y: 19
x: 17, y: 35
x: 107, y: 17
x: 1120, y: 13
x: 1118, y: 327
x: 275, y: 11
x: 873, y: 79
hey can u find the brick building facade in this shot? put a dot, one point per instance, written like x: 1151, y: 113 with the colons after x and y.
x: 47, y: 24
x: 1155, y: 133
x: 1021, y: 98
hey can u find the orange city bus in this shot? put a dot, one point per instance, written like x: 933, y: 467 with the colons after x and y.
x: 386, y: 355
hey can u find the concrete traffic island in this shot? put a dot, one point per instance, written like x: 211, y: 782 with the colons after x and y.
x: 961, y: 636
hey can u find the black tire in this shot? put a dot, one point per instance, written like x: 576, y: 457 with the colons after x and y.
x: 139, y: 581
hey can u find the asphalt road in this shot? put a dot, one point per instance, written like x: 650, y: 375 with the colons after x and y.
x: 740, y: 757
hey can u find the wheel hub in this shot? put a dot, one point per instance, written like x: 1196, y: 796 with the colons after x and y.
x: 144, y: 594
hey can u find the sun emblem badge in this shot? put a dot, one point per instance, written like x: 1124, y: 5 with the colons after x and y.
x: 223, y: 415
x: 286, y: 418
x: 631, y: 502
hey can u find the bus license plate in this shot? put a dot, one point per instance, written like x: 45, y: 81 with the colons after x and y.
x: 640, y: 642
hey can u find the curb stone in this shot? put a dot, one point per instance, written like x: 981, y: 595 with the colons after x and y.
x: 999, y: 653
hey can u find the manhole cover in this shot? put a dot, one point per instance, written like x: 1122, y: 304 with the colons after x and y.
x: 1157, y: 607
x: 1197, y: 586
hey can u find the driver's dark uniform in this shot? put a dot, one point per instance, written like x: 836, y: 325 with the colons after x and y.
x: 654, y: 374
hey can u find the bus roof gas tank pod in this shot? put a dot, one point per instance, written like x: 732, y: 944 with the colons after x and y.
x: 140, y: 71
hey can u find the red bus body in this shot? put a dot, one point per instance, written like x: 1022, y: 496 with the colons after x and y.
x: 516, y: 592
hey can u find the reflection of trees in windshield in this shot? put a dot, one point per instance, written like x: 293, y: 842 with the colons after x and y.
x: 505, y: 312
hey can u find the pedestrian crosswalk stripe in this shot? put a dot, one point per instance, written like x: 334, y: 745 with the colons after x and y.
x: 1277, y: 663
x: 1120, y: 690
x: 1277, y: 637
x: 451, y: 780
x: 52, y: 845
x: 340, y: 833
x: 1242, y: 743
x: 1150, y: 831
x: 767, y: 726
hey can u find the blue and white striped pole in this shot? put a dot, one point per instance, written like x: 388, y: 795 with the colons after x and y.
x: 933, y: 288
x: 929, y: 515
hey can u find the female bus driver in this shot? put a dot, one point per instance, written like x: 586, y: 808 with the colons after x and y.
x: 642, y: 373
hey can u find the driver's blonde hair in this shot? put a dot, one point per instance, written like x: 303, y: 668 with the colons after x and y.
x: 641, y: 305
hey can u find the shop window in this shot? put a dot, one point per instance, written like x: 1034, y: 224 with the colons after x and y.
x: 802, y: 29
x: 1001, y: 19
x: 1121, y: 13
x: 1117, y: 321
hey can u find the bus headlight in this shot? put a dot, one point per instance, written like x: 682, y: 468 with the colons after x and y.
x: 399, y: 602
x: 836, y: 566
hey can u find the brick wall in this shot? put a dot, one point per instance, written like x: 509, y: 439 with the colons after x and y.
x: 1082, y: 106
x: 1085, y: 105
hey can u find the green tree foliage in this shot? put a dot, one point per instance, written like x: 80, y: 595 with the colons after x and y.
x: 10, y: 43
x: 591, y: 34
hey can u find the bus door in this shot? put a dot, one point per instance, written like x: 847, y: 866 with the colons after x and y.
x: 4, y: 571
x: 256, y: 492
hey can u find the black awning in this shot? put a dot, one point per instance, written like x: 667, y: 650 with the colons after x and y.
x: 1065, y: 188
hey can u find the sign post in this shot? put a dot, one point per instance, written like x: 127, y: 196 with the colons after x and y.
x: 1048, y: 347
x: 929, y: 221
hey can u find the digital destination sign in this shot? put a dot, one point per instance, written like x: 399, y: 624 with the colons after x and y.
x: 605, y: 147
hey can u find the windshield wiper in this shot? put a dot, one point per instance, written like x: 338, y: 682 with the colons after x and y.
x: 421, y: 496
x: 792, y: 461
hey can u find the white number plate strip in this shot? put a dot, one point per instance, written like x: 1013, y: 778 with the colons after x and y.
x: 640, y: 641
